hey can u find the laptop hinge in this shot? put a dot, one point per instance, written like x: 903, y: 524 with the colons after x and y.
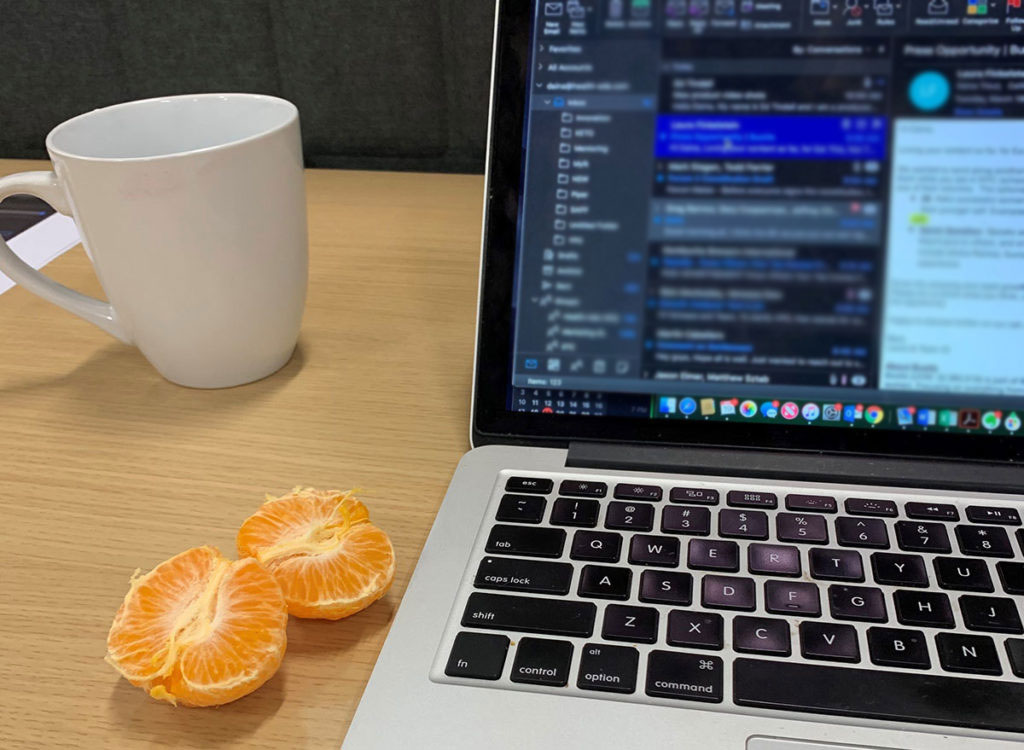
x: 945, y: 474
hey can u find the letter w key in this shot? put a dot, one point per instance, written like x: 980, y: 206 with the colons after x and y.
x: 662, y: 551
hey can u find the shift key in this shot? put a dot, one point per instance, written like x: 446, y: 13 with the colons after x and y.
x: 530, y: 615
x: 534, y: 576
x: 526, y: 540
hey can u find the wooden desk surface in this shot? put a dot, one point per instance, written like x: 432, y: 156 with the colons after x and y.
x: 105, y: 467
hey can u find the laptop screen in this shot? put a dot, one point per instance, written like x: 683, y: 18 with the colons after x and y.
x: 802, y: 212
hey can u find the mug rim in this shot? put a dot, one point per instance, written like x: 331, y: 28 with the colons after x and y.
x: 289, y: 107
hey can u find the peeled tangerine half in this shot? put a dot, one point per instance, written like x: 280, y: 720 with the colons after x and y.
x: 199, y: 629
x: 330, y: 561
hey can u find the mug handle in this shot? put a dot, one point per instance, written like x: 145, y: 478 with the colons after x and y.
x: 46, y: 185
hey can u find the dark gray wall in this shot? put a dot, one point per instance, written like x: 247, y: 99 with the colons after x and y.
x: 380, y: 84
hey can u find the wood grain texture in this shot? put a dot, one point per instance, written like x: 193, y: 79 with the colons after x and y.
x: 105, y: 467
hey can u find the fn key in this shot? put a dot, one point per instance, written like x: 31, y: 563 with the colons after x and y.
x: 478, y: 656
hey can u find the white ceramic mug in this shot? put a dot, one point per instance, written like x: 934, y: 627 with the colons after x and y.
x: 193, y: 212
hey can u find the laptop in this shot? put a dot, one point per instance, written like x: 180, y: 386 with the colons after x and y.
x: 749, y: 382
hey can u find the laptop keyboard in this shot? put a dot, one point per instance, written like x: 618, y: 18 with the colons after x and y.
x: 743, y: 598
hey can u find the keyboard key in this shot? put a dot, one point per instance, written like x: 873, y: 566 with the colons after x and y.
x: 688, y: 677
x: 836, y: 565
x: 596, y: 546
x: 676, y: 520
x: 599, y: 582
x: 637, y: 492
x: 635, y: 516
x: 530, y: 615
x: 975, y: 654
x: 695, y: 629
x: 713, y: 554
x: 727, y: 592
x: 1015, y: 650
x: 529, y: 484
x: 773, y: 560
x: 526, y: 540
x: 899, y: 570
x: 532, y: 576
x: 819, y: 503
x: 572, y: 488
x: 792, y: 598
x: 662, y: 551
x: 743, y: 524
x: 542, y: 662
x: 1011, y: 575
x: 828, y: 641
x: 695, y: 495
x: 990, y: 614
x: 801, y: 527
x: 761, y: 635
x: 923, y: 608
x: 913, y: 536
x: 984, y: 541
x: 741, y: 499
x: 856, y: 603
x: 862, y: 532
x: 521, y: 509
x: 666, y: 587
x: 932, y: 511
x: 890, y: 647
x: 610, y: 669
x: 984, y: 514
x: 478, y: 656
x: 963, y: 574
x: 634, y: 624
x: 857, y: 506
x: 573, y: 512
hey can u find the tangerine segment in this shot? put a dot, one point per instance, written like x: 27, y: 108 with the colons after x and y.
x: 329, y: 560
x: 199, y: 629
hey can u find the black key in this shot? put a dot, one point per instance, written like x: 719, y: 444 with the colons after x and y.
x: 914, y: 536
x: 984, y: 514
x: 529, y: 484
x: 858, y: 506
x: 600, y: 582
x: 727, y: 592
x: 610, y: 669
x: 688, y: 677
x: 1011, y: 575
x: 862, y: 532
x: 662, y: 551
x: 526, y: 540
x: 932, y: 511
x: 542, y: 662
x: 890, y: 647
x: 836, y: 565
x: 666, y: 587
x: 773, y: 560
x: 923, y: 608
x: 963, y: 574
x: 743, y: 524
x: 597, y: 546
x: 990, y: 614
x: 878, y: 694
x: 572, y: 488
x: 575, y: 512
x: 479, y: 656
x: 828, y: 641
x: 856, y: 603
x: 637, y: 492
x: 713, y: 554
x: 740, y: 499
x: 521, y: 509
x: 899, y: 570
x: 696, y: 495
x: 695, y: 629
x: 975, y: 654
x: 761, y: 635
x: 634, y: 624
x: 984, y: 541
x: 502, y: 573
x: 636, y: 516
x: 676, y: 520
x: 1015, y: 650
x: 801, y: 527
x: 819, y: 503
x: 792, y: 598
x: 530, y: 615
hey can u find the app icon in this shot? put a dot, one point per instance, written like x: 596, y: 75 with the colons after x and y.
x: 554, y: 364
x: 531, y: 364
x: 977, y: 7
x: 874, y: 414
x: 853, y: 412
x: 832, y: 412
x: 687, y: 406
x: 927, y: 417
x: 905, y: 415
x: 770, y: 409
x: 748, y: 409
x: 811, y: 412
x: 820, y: 7
x: 948, y: 418
x: 970, y: 419
x: 991, y: 420
x: 667, y: 405
x: 728, y: 408
x: 707, y: 406
x: 790, y: 410
x: 1012, y: 422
